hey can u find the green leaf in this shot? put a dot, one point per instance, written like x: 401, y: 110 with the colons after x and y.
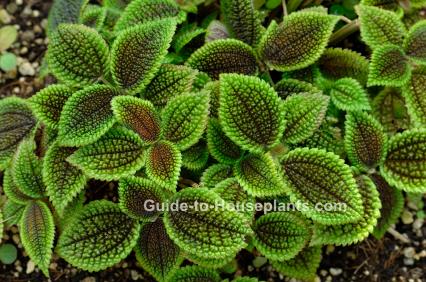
x: 144, y: 11
x: 63, y: 180
x: 389, y: 67
x: 70, y: 210
x: 349, y: 95
x: 196, y: 157
x: 385, y: 4
x: 86, y: 116
x: 258, y: 175
x: 202, y: 229
x: 93, y: 16
x: 37, y: 231
x: 304, y: 114
x: 212, y: 263
x: 281, y: 235
x: 215, y: 174
x: 184, y: 119
x: 16, y: 123
x: 137, y: 53
x: 139, y: 115
x: 188, y: 39
x: 415, y: 42
x: 245, y: 279
x: 77, y: 54
x: 8, y: 252
x: 303, y: 266
x: 214, y: 88
x: 63, y: 11
x: 194, y: 273
x: 297, y: 42
x: 156, y: 252
x: 414, y: 94
x: 12, y: 191
x: 220, y: 146
x: 224, y: 56
x: 98, y: 237
x: 8, y: 35
x: 365, y: 140
x: 289, y: 86
x: 332, y: 183
x: 242, y: 20
x: 170, y: 81
x: 116, y: 154
x: 405, y: 161
x: 250, y: 112
x: 12, y: 213
x: 8, y: 62
x: 216, y: 30
x: 48, y: 103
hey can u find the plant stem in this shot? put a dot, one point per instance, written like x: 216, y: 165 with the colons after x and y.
x: 284, y: 8
x: 293, y: 5
x: 344, y: 32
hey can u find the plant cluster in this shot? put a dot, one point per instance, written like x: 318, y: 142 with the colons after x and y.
x: 242, y: 105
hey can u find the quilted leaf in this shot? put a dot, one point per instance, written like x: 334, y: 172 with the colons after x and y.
x: 47, y: 104
x: 281, y: 235
x: 389, y: 66
x: 77, y: 54
x: 349, y: 95
x: 196, y: 157
x: 414, y: 94
x: 137, y: 53
x: 212, y: 263
x: 63, y: 11
x: 156, y: 252
x: 249, y: 112
x: 304, y: 114
x: 87, y: 115
x: 16, y: 123
x: 63, y: 180
x: 224, y: 56
x: 331, y: 183
x: 12, y: 212
x: 297, y: 42
x: 195, y: 273
x: 215, y: 174
x: 37, y: 231
x: 12, y: 191
x: 289, y: 86
x: 405, y: 163
x: 379, y: 27
x: 257, y: 174
x: 185, y: 118
x: 214, y: 88
x: 365, y: 140
x: 216, y: 30
x: 326, y: 137
x: 116, y: 154
x: 139, y: 115
x: 206, y: 231
x: 99, y: 236
x: 415, y: 42
x: 188, y: 39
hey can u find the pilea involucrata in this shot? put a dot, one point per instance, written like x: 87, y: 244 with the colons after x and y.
x: 202, y: 121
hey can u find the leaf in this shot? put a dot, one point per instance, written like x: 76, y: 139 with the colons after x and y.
x: 170, y: 81
x: 12, y: 191
x: 298, y: 42
x: 215, y: 174
x: 242, y: 20
x: 209, y: 232
x: 137, y: 53
x: 216, y: 30
x: 48, y: 103
x: 63, y: 180
x: 37, y: 231
x: 16, y: 123
x: 249, y: 112
x: 414, y: 94
x: 93, y: 16
x: 336, y: 63
x: 281, y: 235
x: 415, y: 42
x: 303, y: 266
x: 86, y: 116
x: 77, y: 54
x: 188, y: 39
x: 139, y: 115
x: 99, y: 236
x: 163, y: 163
x: 304, y: 114
x: 145, y: 11
x: 211, y: 263
x: 220, y: 146
x: 195, y: 273
x: 156, y: 252
x: 185, y: 118
x: 214, y: 88
x: 331, y: 183
x: 289, y: 86
x: 196, y: 157
x: 349, y: 95
x: 8, y: 62
x: 405, y: 163
x: 12, y: 213
x: 117, y: 154
x: 63, y: 11
x: 8, y: 35
x: 388, y: 67
x: 224, y: 56
x: 245, y: 279
x: 8, y: 252
x: 257, y: 174
x: 326, y: 137
x: 385, y: 4
x: 365, y: 140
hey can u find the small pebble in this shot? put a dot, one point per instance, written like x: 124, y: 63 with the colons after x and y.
x: 418, y: 223
x: 335, y: 271
x: 30, y: 267
x: 323, y: 272
x: 89, y: 279
x: 4, y: 17
x: 11, y: 8
x: 329, y: 249
x: 408, y: 261
x: 37, y: 29
x: 134, y: 274
x: 15, y: 237
x: 26, y: 69
x: 28, y: 36
x: 19, y: 268
x: 19, y: 2
x: 407, y: 217
x: 259, y: 261
x: 409, y: 252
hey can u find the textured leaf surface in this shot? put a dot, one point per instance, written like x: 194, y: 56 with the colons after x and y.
x: 12, y: 213
x: 216, y: 30
x: 77, y: 54
x: 188, y: 39
x: 348, y: 95
x: 208, y: 232
x: 116, y: 154
x: 196, y: 157
x: 137, y: 53
x: 63, y: 11
x: 98, y: 237
x: 12, y: 191
x: 405, y: 161
x: 224, y: 56
x: 87, y: 115
x: 185, y: 118
x: 220, y: 146
x: 298, y: 42
x: 195, y: 273
x: 37, y: 231
x: 211, y: 263
x: 415, y: 96
x: 214, y: 88
x: 289, y: 86
x: 215, y: 174
x: 250, y: 112
x: 331, y: 183
x: 326, y: 137
x: 415, y: 42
